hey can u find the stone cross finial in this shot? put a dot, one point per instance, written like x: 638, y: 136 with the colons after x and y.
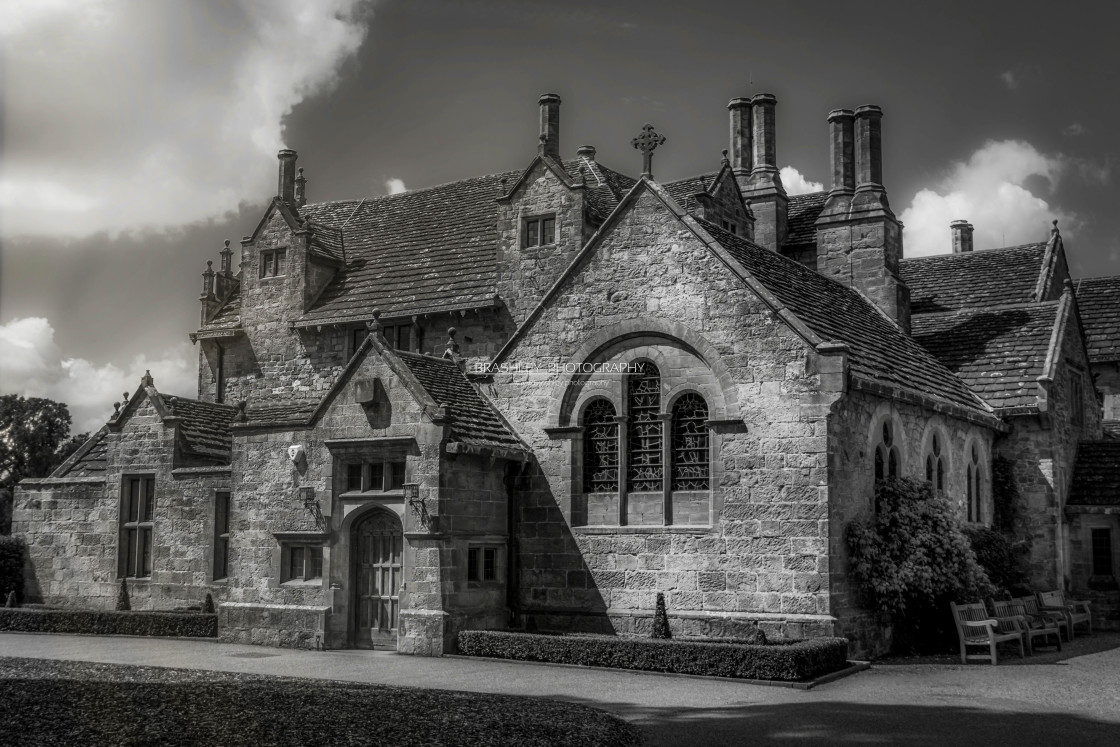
x: 646, y: 143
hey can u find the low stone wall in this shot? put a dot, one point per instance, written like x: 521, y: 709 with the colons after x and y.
x: 280, y: 625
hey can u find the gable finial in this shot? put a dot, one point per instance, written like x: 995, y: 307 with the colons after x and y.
x: 375, y: 325
x: 502, y: 187
x: 147, y: 379
x: 241, y: 416
x: 646, y: 143
x: 227, y: 259
x: 172, y: 403
x: 1054, y: 231
x: 125, y: 403
x: 452, y: 345
x: 116, y: 409
x: 726, y: 161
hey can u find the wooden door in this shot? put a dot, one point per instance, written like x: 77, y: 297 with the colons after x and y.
x: 377, y: 541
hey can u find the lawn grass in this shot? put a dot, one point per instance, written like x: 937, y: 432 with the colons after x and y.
x: 78, y: 703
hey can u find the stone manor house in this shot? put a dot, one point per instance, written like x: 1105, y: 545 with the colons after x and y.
x: 538, y: 398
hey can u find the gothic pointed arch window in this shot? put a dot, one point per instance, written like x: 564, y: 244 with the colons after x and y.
x: 886, y: 453
x: 974, y: 483
x: 690, y: 455
x: 645, y: 471
x: 600, y: 448
x: 935, y: 463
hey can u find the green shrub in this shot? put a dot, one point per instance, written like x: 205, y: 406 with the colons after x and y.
x: 999, y: 559
x: 661, y: 620
x: 911, y: 559
x: 12, y: 552
x: 102, y: 622
x: 123, y: 603
x: 208, y: 605
x: 792, y: 661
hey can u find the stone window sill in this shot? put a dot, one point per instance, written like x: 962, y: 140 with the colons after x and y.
x: 300, y: 583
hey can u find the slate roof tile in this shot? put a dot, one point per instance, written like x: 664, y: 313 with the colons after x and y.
x: 426, y: 250
x: 205, y: 427
x: 1111, y: 429
x: 271, y: 413
x: 951, y: 282
x: 1098, y: 301
x: 1096, y: 475
x: 879, y: 349
x: 473, y: 419
x: 999, y: 353
x: 801, y: 217
x: 93, y: 463
x: 683, y: 190
x: 229, y: 315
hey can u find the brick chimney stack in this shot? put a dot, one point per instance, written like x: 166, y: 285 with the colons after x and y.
x: 962, y: 236
x: 859, y: 239
x: 286, y: 188
x: 741, y: 155
x: 762, y: 188
x: 550, y: 125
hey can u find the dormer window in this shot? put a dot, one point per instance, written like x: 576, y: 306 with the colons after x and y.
x: 540, y: 230
x: 730, y: 227
x: 272, y: 263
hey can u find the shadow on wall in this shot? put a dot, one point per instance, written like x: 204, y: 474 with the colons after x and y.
x: 557, y: 591
x: 844, y: 722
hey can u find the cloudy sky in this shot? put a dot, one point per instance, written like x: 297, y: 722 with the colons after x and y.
x: 137, y: 135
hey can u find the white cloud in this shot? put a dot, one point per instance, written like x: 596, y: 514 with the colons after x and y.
x: 1075, y: 129
x: 796, y: 184
x: 1010, y: 79
x: 395, y: 186
x: 995, y: 191
x: 123, y: 116
x: 32, y: 364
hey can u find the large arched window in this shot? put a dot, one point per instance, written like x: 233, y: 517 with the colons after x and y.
x: 644, y: 450
x: 972, y: 476
x: 886, y: 453
x: 600, y: 448
x: 690, y: 468
x: 935, y: 463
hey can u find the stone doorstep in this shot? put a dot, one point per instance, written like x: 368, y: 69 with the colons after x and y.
x: 853, y: 667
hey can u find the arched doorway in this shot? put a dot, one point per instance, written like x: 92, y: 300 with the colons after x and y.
x: 377, y: 543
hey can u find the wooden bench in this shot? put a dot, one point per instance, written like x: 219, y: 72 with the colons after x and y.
x: 975, y: 627
x: 1076, y: 612
x: 1030, y: 604
x: 1031, y: 626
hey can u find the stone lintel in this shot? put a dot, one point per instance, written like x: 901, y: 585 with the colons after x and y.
x: 215, y: 469
x: 46, y: 482
x: 564, y: 431
x: 298, y: 535
x: 377, y: 442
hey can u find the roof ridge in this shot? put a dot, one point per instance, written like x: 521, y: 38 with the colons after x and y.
x: 987, y: 309
x: 418, y: 190
x: 979, y: 252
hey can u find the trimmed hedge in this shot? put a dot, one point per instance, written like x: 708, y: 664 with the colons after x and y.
x: 103, y: 622
x: 793, y: 661
x: 11, y: 566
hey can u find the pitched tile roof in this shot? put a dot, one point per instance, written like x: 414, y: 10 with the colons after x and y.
x: 999, y: 353
x: 1096, y: 475
x: 205, y: 427
x: 879, y: 349
x: 1111, y: 429
x: 1098, y: 301
x: 683, y: 190
x: 229, y: 315
x: 473, y: 419
x: 801, y: 217
x: 951, y: 282
x: 93, y: 462
x: 425, y: 250
x: 279, y: 414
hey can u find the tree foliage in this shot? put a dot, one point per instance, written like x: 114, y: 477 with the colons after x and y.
x: 911, y: 559
x: 31, y: 432
x: 1001, y: 559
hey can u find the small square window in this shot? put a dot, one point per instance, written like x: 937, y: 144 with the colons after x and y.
x: 396, y: 476
x: 538, y: 231
x: 354, y: 477
x: 482, y: 564
x: 302, y: 562
x: 272, y: 262
x: 374, y: 477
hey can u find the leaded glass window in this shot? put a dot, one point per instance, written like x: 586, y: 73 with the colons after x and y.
x: 646, y: 471
x: 886, y: 453
x: 690, y: 444
x: 935, y: 464
x: 600, y: 448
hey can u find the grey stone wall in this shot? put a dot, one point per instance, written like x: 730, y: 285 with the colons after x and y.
x: 764, y: 556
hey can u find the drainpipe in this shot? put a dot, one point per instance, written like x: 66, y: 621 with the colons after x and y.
x: 513, y: 585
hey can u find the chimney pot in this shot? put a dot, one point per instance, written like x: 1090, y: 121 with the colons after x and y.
x: 741, y: 142
x: 869, y: 148
x: 286, y: 188
x: 586, y: 151
x: 765, y: 146
x: 841, y: 131
x: 550, y: 125
x: 962, y: 236
x: 301, y: 189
